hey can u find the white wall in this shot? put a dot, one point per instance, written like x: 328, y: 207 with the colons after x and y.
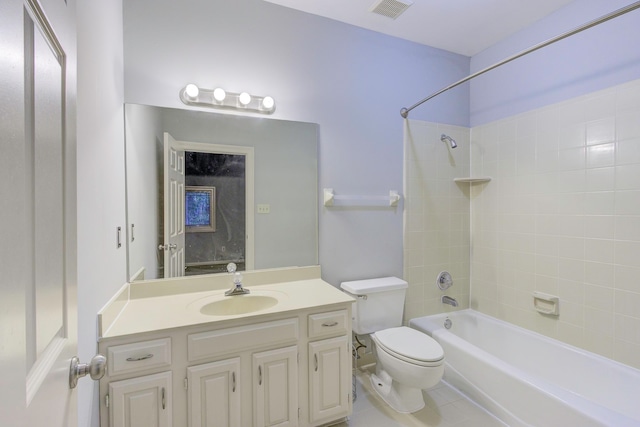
x: 352, y: 82
x: 100, y: 162
x: 594, y: 59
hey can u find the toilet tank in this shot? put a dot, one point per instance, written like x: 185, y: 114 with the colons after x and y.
x: 379, y: 303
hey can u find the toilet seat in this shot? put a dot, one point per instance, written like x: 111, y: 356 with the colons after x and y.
x: 410, y: 345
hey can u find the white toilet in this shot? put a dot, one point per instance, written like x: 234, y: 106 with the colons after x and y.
x: 407, y: 361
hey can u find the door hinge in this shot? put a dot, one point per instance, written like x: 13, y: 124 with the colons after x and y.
x: 106, y: 400
x: 186, y: 383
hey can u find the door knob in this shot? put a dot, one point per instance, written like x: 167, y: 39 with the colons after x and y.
x: 167, y: 247
x: 96, y: 369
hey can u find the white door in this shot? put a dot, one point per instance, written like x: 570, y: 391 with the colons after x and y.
x: 214, y: 394
x: 38, y: 310
x: 173, y: 208
x: 275, y: 396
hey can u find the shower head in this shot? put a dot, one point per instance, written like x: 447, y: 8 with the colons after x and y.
x: 447, y: 138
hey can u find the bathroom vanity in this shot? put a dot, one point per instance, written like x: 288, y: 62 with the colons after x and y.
x: 180, y: 353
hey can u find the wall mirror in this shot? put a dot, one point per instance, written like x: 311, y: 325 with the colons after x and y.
x: 261, y: 173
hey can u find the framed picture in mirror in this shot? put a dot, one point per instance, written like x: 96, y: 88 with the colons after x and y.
x: 200, y: 209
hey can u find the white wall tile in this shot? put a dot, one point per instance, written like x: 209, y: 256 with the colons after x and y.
x: 626, y: 278
x: 599, y: 226
x: 600, y: 104
x: 627, y: 303
x: 600, y: 131
x: 628, y: 151
x: 600, y: 179
x: 565, y: 219
x: 601, y: 155
x: 627, y: 202
x: 628, y: 125
x: 599, y: 273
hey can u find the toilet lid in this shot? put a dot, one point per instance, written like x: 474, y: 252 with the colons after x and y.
x: 410, y: 343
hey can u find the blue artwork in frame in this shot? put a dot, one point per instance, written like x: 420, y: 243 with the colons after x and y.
x: 200, y: 209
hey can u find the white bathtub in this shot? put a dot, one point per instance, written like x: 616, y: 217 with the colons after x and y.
x: 527, y: 379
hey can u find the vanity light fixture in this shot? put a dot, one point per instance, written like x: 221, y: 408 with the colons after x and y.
x: 219, y: 94
x: 219, y: 98
x: 244, y: 99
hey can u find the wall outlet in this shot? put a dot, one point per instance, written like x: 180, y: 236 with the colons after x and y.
x: 263, y: 209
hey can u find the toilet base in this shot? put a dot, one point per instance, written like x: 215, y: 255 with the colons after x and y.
x: 401, y: 398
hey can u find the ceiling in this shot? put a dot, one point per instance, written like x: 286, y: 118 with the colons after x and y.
x: 466, y: 27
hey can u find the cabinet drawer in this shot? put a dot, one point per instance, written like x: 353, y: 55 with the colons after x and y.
x: 139, y: 356
x: 233, y: 340
x: 330, y: 323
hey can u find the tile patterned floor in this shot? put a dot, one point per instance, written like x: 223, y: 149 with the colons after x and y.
x: 445, y: 407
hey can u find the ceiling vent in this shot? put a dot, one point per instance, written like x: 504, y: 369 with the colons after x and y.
x: 390, y: 8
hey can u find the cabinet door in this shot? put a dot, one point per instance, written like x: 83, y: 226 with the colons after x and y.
x: 141, y: 402
x: 214, y: 394
x: 329, y: 379
x: 275, y: 396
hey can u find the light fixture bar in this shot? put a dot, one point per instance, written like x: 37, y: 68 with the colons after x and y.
x: 219, y: 98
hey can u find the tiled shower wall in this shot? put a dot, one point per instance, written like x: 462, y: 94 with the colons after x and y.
x: 561, y: 216
x: 437, y: 218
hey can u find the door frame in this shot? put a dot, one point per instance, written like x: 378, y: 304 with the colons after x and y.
x: 248, y: 153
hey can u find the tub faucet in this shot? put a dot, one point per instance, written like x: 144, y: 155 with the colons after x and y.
x: 237, y: 282
x: 448, y: 300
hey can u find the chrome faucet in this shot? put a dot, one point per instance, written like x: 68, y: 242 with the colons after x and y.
x: 448, y: 300
x: 237, y: 282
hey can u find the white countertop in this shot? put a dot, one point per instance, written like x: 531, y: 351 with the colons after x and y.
x: 138, y: 309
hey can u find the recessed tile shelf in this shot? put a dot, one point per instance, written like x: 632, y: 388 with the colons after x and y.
x: 473, y: 180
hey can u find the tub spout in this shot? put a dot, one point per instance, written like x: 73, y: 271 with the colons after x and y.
x: 448, y: 300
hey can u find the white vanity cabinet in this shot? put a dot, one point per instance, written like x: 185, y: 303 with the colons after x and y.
x: 275, y: 388
x: 258, y: 387
x: 329, y: 367
x: 141, y: 401
x: 286, y: 368
x: 214, y: 394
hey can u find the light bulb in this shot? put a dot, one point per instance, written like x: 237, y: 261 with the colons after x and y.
x: 268, y: 103
x: 219, y: 94
x: 244, y: 98
x: 192, y: 91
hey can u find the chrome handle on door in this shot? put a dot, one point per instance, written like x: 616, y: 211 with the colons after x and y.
x: 233, y: 382
x: 259, y: 374
x: 315, y: 360
x: 96, y: 369
x: 167, y: 246
x: 164, y: 402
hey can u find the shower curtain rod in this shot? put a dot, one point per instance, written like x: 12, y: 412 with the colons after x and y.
x: 405, y: 111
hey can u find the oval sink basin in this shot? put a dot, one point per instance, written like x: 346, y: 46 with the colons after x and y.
x: 239, y: 304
